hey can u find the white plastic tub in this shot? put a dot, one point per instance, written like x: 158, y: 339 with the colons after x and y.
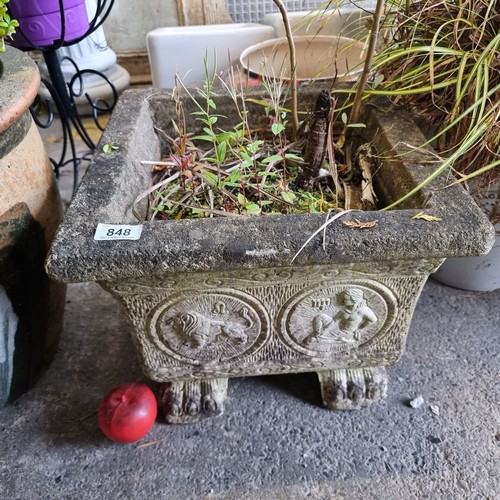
x: 480, y: 274
x: 348, y: 22
x: 182, y: 49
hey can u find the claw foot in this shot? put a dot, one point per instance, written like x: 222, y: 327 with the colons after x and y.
x: 190, y: 401
x: 353, y: 388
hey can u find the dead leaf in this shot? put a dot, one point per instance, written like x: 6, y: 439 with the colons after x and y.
x: 93, y: 131
x: 53, y: 139
x: 427, y: 217
x: 357, y: 224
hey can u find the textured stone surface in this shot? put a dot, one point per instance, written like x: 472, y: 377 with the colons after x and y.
x: 275, y: 440
x: 266, y: 321
x: 19, y: 82
x: 192, y: 400
x: 351, y: 389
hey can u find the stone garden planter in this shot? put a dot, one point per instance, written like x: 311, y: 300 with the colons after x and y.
x: 211, y: 299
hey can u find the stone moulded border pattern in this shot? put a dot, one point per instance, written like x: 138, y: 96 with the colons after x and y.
x: 145, y: 285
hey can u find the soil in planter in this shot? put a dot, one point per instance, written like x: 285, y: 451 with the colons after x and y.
x: 245, y: 171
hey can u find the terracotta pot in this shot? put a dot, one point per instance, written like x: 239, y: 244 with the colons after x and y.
x: 31, y: 305
x: 41, y: 22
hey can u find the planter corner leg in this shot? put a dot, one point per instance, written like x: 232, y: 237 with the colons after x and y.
x: 354, y: 388
x: 189, y: 401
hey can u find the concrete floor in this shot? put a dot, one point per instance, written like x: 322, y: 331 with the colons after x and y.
x: 275, y: 440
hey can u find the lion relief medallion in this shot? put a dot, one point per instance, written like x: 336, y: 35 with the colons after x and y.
x: 210, y: 326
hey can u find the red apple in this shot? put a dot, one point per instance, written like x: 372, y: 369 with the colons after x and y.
x: 128, y: 412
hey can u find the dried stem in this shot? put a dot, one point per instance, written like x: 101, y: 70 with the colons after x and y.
x: 293, y: 66
x: 372, y: 44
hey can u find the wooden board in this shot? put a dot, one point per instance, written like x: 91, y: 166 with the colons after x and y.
x: 193, y: 12
x: 137, y: 64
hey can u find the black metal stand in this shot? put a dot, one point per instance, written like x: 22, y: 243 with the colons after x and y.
x: 64, y: 94
x: 63, y: 99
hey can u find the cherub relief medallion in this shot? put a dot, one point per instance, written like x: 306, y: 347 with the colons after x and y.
x: 336, y: 318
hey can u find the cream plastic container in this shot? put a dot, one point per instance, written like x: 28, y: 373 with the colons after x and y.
x: 318, y: 58
x: 182, y: 50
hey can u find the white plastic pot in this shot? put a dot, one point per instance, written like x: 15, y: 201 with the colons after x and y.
x: 480, y: 274
x: 348, y: 21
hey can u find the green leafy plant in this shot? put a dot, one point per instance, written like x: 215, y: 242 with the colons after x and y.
x: 235, y: 171
x: 439, y: 59
x: 7, y: 25
x: 109, y: 148
x: 442, y: 62
x: 245, y: 171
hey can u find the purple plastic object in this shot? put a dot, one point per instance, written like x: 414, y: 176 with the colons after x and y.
x: 40, y: 21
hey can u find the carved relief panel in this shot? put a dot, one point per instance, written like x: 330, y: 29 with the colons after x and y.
x: 268, y: 321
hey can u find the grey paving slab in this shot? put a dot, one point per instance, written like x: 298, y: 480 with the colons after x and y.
x: 275, y: 440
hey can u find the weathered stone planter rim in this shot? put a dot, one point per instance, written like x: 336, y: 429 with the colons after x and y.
x: 111, y: 185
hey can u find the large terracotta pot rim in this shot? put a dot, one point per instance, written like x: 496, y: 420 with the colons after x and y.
x: 19, y: 84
